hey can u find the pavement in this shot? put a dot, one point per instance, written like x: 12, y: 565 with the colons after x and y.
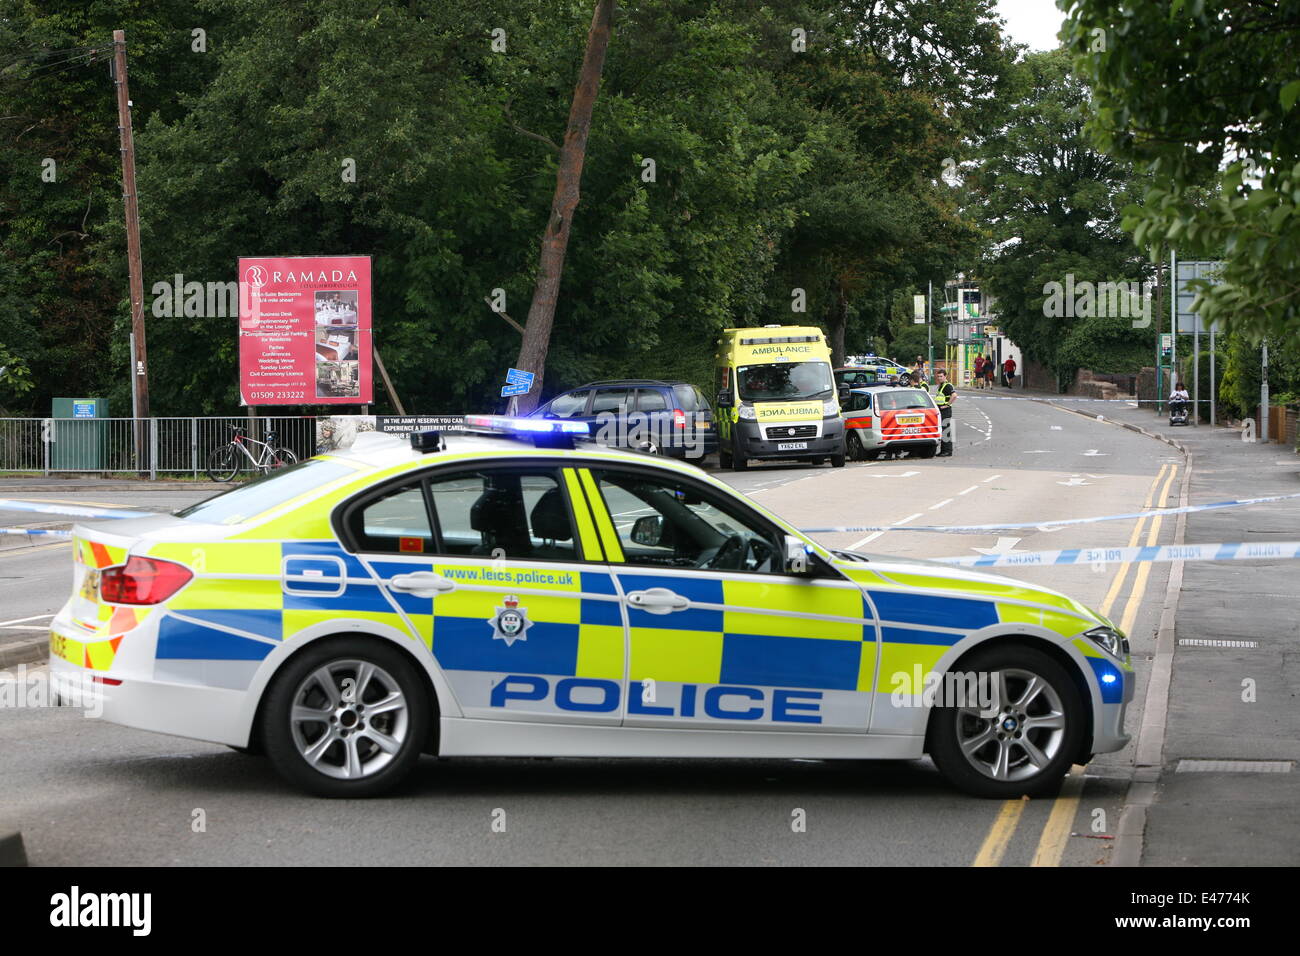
x: 1234, y: 689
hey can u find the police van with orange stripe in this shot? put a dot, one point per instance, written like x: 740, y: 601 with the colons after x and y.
x: 512, y: 593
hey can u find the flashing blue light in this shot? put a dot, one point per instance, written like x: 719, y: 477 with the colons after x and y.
x: 1108, y: 678
x: 503, y: 424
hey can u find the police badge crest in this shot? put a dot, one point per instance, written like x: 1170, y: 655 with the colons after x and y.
x: 511, y: 622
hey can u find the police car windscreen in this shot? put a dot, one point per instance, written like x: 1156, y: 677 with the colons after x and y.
x: 784, y: 382
x: 262, y: 494
x: 908, y: 398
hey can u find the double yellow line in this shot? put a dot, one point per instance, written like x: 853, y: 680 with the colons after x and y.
x: 1056, y: 832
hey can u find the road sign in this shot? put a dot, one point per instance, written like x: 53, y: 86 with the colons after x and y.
x: 516, y: 376
x: 520, y: 389
x: 1189, y: 321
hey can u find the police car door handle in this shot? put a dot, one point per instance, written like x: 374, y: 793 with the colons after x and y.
x: 421, y: 583
x: 657, y: 601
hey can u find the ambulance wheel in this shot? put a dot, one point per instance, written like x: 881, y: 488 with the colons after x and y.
x: 724, y: 458
x: 1029, y: 745
x: 738, y: 460
x: 346, y: 718
x: 837, y: 461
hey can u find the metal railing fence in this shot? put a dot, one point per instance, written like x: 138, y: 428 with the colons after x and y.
x: 144, y: 445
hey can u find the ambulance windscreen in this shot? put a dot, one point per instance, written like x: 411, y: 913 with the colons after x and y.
x: 785, y: 382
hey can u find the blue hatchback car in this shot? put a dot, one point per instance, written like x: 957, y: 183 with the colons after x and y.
x: 666, y: 418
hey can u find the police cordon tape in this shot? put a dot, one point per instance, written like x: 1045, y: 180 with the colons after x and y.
x: 13, y: 504
x: 974, y: 395
x: 49, y: 508
x: 1241, y: 551
x: 1047, y: 525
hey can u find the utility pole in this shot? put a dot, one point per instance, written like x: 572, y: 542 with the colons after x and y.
x: 1263, y: 395
x: 929, y: 324
x: 139, y: 376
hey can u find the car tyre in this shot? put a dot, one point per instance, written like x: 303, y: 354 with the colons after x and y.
x: 738, y: 460
x: 928, y: 452
x: 1027, y: 748
x: 360, y: 746
x: 853, y: 447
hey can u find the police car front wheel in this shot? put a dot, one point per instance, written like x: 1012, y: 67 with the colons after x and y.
x: 346, y: 718
x: 1020, y: 735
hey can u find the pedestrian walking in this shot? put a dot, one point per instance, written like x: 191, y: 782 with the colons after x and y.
x: 1008, y: 371
x: 988, y: 372
x: 945, y: 395
x: 979, y: 371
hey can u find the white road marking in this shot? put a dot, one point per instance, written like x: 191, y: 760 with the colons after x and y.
x: 1038, y: 451
x: 1093, y: 453
x: 21, y: 627
x: 968, y: 490
x: 876, y: 534
x: 990, y: 478
x: 1074, y: 482
x: 1004, y: 546
x: 24, y: 620
x: 1057, y: 428
x: 891, y: 474
x: 946, y: 501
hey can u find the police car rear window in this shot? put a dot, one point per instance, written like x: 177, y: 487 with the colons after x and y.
x: 909, y: 398
x: 263, y: 494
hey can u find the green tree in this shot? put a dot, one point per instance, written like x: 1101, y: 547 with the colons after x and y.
x: 1051, y: 204
x: 1196, y: 91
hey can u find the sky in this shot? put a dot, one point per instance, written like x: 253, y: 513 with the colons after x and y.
x: 1034, y: 22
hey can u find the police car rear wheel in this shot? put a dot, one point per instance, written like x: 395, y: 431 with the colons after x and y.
x: 346, y: 719
x: 1027, y: 746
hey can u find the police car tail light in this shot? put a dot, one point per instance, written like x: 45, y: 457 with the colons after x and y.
x: 679, y: 418
x: 143, y: 581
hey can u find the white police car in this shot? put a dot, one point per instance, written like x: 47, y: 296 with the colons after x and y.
x: 471, y: 594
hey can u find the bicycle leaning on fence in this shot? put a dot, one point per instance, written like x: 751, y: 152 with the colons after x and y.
x: 224, y: 461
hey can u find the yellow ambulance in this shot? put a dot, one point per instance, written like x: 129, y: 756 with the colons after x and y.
x: 776, y: 397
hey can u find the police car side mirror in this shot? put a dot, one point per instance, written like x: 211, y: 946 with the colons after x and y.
x: 797, y: 558
x: 648, y: 531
